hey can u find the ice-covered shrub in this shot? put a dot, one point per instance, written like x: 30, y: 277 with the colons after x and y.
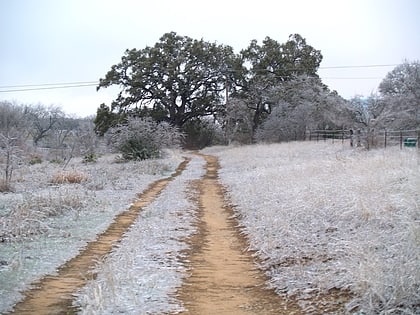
x: 143, y: 138
x: 90, y: 158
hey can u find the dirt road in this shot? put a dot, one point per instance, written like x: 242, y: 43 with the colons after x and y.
x: 223, y: 278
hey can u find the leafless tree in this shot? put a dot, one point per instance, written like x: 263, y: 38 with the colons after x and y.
x: 12, y: 135
x: 42, y: 120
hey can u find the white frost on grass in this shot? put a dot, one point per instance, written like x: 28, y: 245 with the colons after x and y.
x: 43, y: 225
x: 324, y: 216
x: 142, y: 274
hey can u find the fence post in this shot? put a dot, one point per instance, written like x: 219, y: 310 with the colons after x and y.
x: 385, y: 138
x: 401, y: 140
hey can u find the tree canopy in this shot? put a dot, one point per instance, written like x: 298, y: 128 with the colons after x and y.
x: 180, y: 79
x: 397, y: 105
x: 177, y: 79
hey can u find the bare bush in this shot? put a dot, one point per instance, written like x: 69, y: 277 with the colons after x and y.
x: 68, y: 177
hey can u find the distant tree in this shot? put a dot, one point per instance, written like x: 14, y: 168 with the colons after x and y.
x: 400, y: 94
x: 41, y: 120
x: 12, y: 136
x: 273, y: 63
x: 86, y: 138
x: 282, y: 62
x: 301, y: 104
x: 367, y: 110
x: 179, y: 78
x: 105, y: 118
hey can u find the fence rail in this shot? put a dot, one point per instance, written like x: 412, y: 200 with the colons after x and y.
x: 368, y: 139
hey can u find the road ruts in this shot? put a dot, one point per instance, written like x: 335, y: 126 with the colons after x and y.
x: 53, y: 294
x: 224, y: 279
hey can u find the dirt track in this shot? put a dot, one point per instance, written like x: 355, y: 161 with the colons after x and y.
x: 223, y: 277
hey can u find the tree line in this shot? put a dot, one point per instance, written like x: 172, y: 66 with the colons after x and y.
x: 268, y: 91
x: 193, y: 93
x: 27, y: 130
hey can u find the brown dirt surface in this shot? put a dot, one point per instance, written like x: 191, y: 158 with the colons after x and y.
x: 224, y: 279
x: 54, y: 293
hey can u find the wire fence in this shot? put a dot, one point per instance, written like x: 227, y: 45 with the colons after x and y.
x: 369, y: 138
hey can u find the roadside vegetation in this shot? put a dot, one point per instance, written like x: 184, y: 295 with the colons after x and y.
x: 326, y: 219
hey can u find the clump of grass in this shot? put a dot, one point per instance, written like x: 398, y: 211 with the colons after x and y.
x: 68, y: 177
x: 28, y: 217
x: 5, y: 186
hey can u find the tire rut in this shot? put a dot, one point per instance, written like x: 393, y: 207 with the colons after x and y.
x: 224, y: 278
x: 53, y: 294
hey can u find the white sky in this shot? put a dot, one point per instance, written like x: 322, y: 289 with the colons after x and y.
x: 59, y: 41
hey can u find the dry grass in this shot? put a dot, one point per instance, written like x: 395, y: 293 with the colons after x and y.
x: 324, y: 217
x: 42, y: 225
x: 5, y: 186
x: 69, y: 177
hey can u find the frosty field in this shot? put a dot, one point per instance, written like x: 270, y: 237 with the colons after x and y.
x: 324, y: 216
x: 42, y: 225
x: 322, y: 220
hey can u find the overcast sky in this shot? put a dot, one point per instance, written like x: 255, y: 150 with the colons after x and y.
x: 64, y: 41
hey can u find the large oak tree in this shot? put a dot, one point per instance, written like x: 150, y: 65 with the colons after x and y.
x: 176, y: 80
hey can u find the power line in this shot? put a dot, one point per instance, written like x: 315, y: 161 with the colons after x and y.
x: 352, y: 78
x: 362, y: 66
x: 78, y: 84
x: 47, y: 84
x: 47, y: 87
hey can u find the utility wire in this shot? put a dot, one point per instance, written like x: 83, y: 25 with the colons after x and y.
x: 363, y: 66
x: 46, y: 87
x: 47, y: 84
x: 351, y: 78
x: 53, y: 86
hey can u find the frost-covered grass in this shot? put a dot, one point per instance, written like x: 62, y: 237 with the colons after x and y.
x: 142, y: 274
x: 324, y: 216
x: 46, y: 221
x: 320, y: 216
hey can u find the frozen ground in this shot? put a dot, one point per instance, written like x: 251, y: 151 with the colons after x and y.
x: 320, y: 216
x: 141, y: 275
x: 324, y: 216
x: 42, y: 224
